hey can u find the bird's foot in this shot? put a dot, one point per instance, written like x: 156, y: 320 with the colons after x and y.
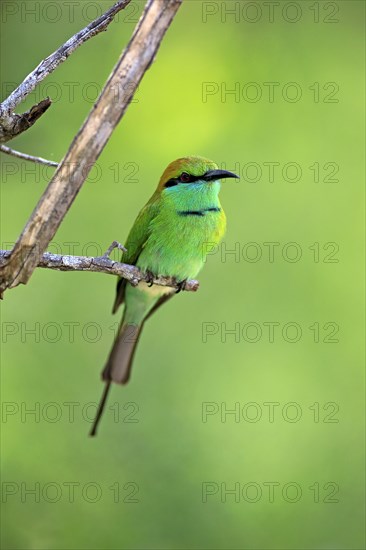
x: 181, y: 286
x: 149, y: 278
x: 114, y: 245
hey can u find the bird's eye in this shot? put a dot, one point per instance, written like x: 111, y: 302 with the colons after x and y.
x: 185, y: 178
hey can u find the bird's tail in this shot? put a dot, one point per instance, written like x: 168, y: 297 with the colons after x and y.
x: 119, y: 363
x: 118, y: 366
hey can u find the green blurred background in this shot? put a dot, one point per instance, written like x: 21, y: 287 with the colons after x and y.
x: 155, y: 445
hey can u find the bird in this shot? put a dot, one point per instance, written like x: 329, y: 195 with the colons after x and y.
x: 168, y: 238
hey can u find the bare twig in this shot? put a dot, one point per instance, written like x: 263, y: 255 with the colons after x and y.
x: 89, y: 142
x: 12, y: 124
x: 24, y: 156
x: 103, y: 264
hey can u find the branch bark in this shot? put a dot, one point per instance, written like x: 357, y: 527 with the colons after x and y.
x: 103, y: 264
x: 12, y: 124
x: 89, y: 142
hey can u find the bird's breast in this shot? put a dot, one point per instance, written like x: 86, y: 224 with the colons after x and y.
x: 178, y: 240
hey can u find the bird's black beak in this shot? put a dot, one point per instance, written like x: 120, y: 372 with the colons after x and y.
x: 213, y: 175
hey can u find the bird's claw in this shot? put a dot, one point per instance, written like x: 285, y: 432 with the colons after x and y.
x: 149, y: 278
x: 181, y: 286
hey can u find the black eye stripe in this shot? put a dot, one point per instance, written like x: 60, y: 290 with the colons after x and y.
x: 195, y: 178
x: 175, y: 181
x: 171, y: 182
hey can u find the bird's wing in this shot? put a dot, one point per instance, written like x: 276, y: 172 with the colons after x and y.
x: 136, y: 241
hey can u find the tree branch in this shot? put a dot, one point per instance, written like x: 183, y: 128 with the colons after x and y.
x: 103, y: 264
x: 24, y: 156
x: 12, y: 124
x: 89, y: 142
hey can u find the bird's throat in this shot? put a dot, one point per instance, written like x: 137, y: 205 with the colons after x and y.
x: 201, y: 212
x: 198, y: 199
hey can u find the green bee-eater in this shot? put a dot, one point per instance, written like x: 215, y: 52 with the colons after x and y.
x: 168, y: 238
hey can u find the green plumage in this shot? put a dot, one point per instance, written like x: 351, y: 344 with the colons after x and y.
x: 167, y: 238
